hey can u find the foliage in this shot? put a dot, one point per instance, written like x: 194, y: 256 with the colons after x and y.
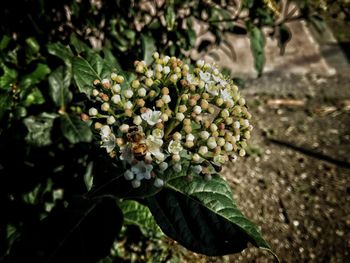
x: 50, y: 52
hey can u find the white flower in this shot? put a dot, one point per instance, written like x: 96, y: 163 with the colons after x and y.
x: 108, y: 141
x: 225, y: 94
x: 180, y: 116
x: 128, y: 105
x: 116, y: 88
x: 137, y: 120
x: 153, y: 144
x: 220, y: 81
x: 151, y: 117
x: 211, y: 143
x: 177, y: 167
x: 158, y: 182
x: 116, y: 99
x: 166, y: 98
x: 136, y: 183
x: 124, y: 128
x: 203, y: 150
x: 166, y: 70
x: 110, y: 120
x: 149, y: 73
x: 204, y: 135
x: 142, y: 170
x: 158, y: 133
x: 204, y: 76
x: 212, y: 88
x: 128, y: 175
x: 228, y: 147
x: 163, y: 166
x: 191, y: 79
x: 105, y: 130
x: 128, y: 93
x: 93, y: 112
x: 142, y: 92
x: 200, y: 63
x: 190, y: 137
x: 175, y: 147
x: 197, y: 109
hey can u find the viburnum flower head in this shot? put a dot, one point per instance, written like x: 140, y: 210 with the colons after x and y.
x: 172, y: 119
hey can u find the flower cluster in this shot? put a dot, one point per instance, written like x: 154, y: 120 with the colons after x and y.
x: 171, y: 117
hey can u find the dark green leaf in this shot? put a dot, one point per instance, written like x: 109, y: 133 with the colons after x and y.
x: 9, y: 77
x: 33, y: 78
x: 74, y: 129
x: 5, y: 40
x: 79, y: 45
x: 82, y: 232
x: 5, y: 104
x: 139, y: 215
x: 85, y: 71
x: 257, y: 45
x: 33, y: 45
x: 59, y: 82
x: 62, y: 52
x: 148, y: 48
x: 248, y: 3
x: 202, y: 216
x: 170, y: 17
x: 39, y: 129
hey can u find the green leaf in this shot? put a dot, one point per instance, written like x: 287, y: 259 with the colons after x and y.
x: 9, y: 77
x: 59, y: 82
x: 79, y: 45
x: 33, y: 78
x: 5, y: 40
x: 74, y: 129
x: 62, y: 52
x: 140, y: 215
x: 170, y: 17
x: 35, y: 97
x: 5, y: 104
x: 148, y: 48
x: 257, y: 45
x: 39, y: 129
x: 33, y: 45
x: 82, y: 232
x: 85, y: 71
x: 202, y: 216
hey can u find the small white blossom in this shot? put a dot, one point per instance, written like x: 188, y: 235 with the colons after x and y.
x: 204, y: 76
x: 128, y: 93
x: 158, y: 182
x: 203, y: 150
x: 108, y: 140
x: 153, y: 144
x: 163, y: 166
x: 136, y: 183
x: 116, y: 88
x: 166, y: 98
x: 142, y: 92
x: 124, y: 128
x: 137, y: 120
x: 128, y: 105
x: 105, y: 130
x: 116, y: 99
x: 225, y: 94
x: 228, y: 147
x: 180, y: 116
x: 110, y: 120
x: 93, y: 112
x: 128, y: 175
x: 177, y: 167
x: 166, y: 70
x: 175, y: 147
x: 197, y: 109
x: 151, y: 117
x: 149, y: 73
x: 236, y: 125
x: 204, y: 135
x: 142, y: 170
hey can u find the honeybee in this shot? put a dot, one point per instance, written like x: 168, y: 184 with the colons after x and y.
x: 137, y: 140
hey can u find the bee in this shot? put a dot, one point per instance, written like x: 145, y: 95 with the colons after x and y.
x: 137, y: 140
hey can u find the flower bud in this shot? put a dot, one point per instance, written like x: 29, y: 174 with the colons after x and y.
x: 176, y: 157
x: 106, y: 83
x: 228, y: 147
x: 141, y: 92
x: 110, y: 120
x: 196, y: 158
x: 163, y: 166
x: 129, y: 175
x: 197, y: 109
x: 105, y: 106
x: 135, y: 84
x: 95, y: 92
x: 149, y: 82
x: 180, y: 116
x: 166, y: 99
x: 177, y: 167
x: 203, y: 150
x: 137, y: 120
x: 93, y: 112
x: 116, y: 88
x: 177, y: 136
x: 182, y: 108
x: 128, y: 93
x: 211, y: 143
x: 187, y: 128
x: 158, y: 183
x: 124, y: 128
x: 136, y: 183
